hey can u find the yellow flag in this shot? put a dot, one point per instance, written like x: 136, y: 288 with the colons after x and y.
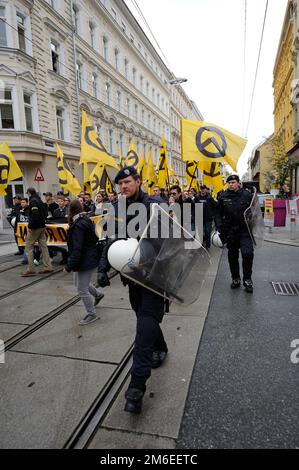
x: 121, y: 159
x: 163, y: 168
x: 100, y: 179
x: 191, y: 175
x: 86, y: 179
x: 95, y: 177
x: 9, y: 169
x: 92, y: 148
x: 132, y: 158
x: 212, y: 176
x: 142, y: 168
x: 151, y: 177
x: 67, y: 179
x: 204, y: 142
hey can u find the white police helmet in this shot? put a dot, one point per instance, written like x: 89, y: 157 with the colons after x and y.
x: 216, y: 240
x: 121, y: 252
x: 13, y: 222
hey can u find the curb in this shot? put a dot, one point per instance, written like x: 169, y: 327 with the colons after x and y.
x: 282, y: 242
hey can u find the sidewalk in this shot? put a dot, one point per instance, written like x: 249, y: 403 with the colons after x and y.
x: 281, y: 235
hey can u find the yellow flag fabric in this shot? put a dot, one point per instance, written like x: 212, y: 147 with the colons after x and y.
x: 100, y: 179
x: 205, y: 142
x: 9, y: 169
x: 191, y: 175
x: 132, y: 158
x: 86, y: 179
x: 92, y: 148
x: 151, y: 177
x: 67, y: 179
x: 163, y: 167
x: 142, y: 168
x: 212, y: 176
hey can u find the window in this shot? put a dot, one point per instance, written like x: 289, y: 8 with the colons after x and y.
x: 121, y: 141
x: 105, y: 46
x: 94, y: 80
x: 28, y: 112
x: 149, y: 121
x: 111, y: 141
x: 91, y: 34
x: 76, y: 18
x: 128, y: 106
x: 60, y: 123
x: 132, y: 38
x: 141, y: 83
x: 51, y: 3
x: 98, y: 129
x: 113, y: 13
x: 79, y: 75
x: 108, y: 93
x: 153, y: 95
x: 142, y: 116
x: 134, y: 76
x: 126, y: 67
x: 123, y: 26
x: 21, y: 32
x: 136, y: 112
x: 55, y: 57
x: 147, y: 89
x: 116, y: 55
x: 158, y: 100
x: 3, y: 40
x: 6, y: 110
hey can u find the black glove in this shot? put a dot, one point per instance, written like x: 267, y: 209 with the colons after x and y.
x: 103, y: 279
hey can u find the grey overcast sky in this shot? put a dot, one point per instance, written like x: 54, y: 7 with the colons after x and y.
x: 203, y: 40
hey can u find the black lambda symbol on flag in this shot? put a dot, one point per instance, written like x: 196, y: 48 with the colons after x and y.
x: 221, y: 150
x: 4, y: 169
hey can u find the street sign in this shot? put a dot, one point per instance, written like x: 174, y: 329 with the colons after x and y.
x: 269, y: 212
x: 39, y: 176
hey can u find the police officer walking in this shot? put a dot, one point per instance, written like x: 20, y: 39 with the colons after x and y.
x: 150, y: 348
x: 233, y: 230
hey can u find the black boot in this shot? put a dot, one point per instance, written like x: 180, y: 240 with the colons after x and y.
x: 235, y: 284
x: 158, y: 358
x: 247, y: 283
x: 134, y: 400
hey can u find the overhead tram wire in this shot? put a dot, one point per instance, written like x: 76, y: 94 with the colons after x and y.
x: 87, y: 82
x: 151, y: 32
x: 257, y: 67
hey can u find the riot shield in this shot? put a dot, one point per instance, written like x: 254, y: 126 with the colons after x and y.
x: 254, y: 221
x: 172, y: 266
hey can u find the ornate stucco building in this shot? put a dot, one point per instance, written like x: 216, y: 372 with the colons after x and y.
x: 58, y: 57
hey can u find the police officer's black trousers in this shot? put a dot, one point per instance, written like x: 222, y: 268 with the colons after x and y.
x: 240, y: 241
x: 149, y: 308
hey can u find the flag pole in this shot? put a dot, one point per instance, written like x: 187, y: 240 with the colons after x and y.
x: 193, y: 176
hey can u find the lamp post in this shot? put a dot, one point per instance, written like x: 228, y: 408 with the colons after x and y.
x: 177, y: 81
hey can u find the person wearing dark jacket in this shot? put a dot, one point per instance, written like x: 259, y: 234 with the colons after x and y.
x: 36, y: 233
x: 83, y: 259
x: 233, y: 230
x: 150, y: 348
x: 209, y: 207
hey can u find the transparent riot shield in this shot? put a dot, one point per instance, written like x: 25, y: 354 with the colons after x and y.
x: 172, y: 264
x: 255, y: 222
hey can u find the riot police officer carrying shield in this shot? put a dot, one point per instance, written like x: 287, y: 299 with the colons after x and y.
x: 150, y: 348
x: 233, y: 230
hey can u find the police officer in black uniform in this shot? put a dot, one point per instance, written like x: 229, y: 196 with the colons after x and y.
x: 233, y: 230
x: 150, y: 347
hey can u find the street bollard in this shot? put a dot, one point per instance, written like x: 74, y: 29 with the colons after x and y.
x: 293, y: 225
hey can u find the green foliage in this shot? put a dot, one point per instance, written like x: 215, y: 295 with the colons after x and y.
x: 281, y: 174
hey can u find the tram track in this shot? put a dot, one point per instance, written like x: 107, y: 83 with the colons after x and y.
x: 84, y: 431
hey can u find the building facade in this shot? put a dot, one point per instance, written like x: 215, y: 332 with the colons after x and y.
x: 58, y: 57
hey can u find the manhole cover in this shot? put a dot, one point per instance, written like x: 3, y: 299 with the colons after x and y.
x: 286, y: 288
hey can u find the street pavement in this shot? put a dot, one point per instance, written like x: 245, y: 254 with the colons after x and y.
x: 244, y: 389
